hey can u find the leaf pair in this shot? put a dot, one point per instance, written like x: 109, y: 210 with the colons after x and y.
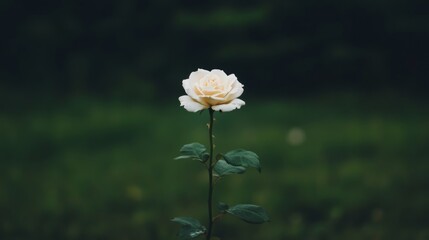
x: 233, y: 162
x: 250, y: 213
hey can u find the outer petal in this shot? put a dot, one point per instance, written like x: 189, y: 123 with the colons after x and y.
x: 220, y: 73
x: 191, y: 84
x: 236, y: 91
x: 230, y: 80
x: 234, y: 104
x: 188, y: 86
x: 232, y: 77
x: 190, y: 104
x: 197, y: 75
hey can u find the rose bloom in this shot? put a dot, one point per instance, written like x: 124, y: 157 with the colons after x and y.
x: 211, y: 89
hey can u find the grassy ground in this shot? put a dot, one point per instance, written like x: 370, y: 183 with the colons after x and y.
x: 332, y: 169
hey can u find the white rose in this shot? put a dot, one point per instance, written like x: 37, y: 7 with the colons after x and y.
x: 213, y: 89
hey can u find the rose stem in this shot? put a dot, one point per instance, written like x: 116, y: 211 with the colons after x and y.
x: 210, y: 168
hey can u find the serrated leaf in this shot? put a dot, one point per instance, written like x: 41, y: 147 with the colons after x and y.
x: 221, y: 206
x: 222, y: 168
x: 190, y: 227
x: 194, y: 151
x: 241, y: 157
x: 249, y: 213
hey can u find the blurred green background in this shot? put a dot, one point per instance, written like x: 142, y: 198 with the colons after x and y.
x: 336, y: 97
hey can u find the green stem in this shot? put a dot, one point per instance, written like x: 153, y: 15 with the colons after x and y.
x: 210, y: 170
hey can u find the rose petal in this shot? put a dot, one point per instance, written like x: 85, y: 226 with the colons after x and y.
x: 219, y: 73
x: 197, y: 75
x: 234, y: 104
x: 231, y: 79
x: 190, y: 104
x: 190, y: 88
x: 191, y: 83
x: 237, y: 90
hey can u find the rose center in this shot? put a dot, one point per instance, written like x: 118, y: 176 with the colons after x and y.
x: 211, y: 85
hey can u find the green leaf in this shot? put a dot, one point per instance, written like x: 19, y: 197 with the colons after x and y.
x: 241, y: 157
x: 221, y: 206
x: 222, y: 168
x: 190, y: 227
x: 187, y: 221
x: 194, y: 151
x: 249, y: 213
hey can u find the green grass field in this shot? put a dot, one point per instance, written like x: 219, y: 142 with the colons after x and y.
x: 349, y: 169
